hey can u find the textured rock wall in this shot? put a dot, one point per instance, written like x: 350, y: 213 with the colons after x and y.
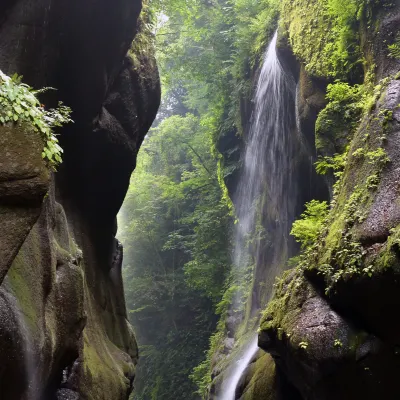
x: 332, y: 328
x: 64, y: 332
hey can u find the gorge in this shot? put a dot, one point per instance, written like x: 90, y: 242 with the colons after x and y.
x: 199, y: 199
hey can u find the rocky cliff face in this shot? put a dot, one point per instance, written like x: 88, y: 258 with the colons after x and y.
x: 64, y: 332
x: 331, y: 328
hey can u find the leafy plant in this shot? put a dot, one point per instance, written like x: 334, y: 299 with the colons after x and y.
x: 19, y: 104
x: 307, y: 228
x: 335, y: 163
x: 338, y: 343
x: 394, y: 48
x: 378, y: 157
x: 303, y: 345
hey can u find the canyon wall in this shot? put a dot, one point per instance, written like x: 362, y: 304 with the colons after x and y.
x: 331, y: 328
x: 64, y: 332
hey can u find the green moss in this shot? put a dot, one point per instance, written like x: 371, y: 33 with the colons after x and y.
x: 281, y: 311
x: 23, y: 281
x: 143, y: 46
x: 324, y: 34
x: 22, y: 289
x: 101, y: 363
x: 262, y: 383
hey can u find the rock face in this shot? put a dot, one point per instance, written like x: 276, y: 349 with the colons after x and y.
x: 332, y: 328
x: 64, y: 332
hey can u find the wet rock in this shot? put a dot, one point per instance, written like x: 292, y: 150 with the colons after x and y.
x: 324, y: 356
x: 384, y: 213
x: 66, y: 394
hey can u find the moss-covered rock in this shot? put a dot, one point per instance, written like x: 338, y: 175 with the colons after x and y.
x: 330, y: 326
x: 324, y: 35
x: 62, y: 300
x: 24, y: 181
x: 260, y: 380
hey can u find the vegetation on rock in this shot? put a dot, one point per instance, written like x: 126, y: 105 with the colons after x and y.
x: 178, y: 216
x: 19, y: 104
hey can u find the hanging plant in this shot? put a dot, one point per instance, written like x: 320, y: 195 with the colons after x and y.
x: 19, y: 105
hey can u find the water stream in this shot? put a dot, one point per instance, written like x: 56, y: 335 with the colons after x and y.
x: 266, y: 179
x: 229, y: 386
x: 266, y: 196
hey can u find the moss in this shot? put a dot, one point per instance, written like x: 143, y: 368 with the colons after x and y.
x: 332, y: 26
x: 20, y: 278
x: 290, y: 290
x: 262, y: 383
x: 23, y: 292
x: 388, y: 256
x: 101, y: 363
x: 143, y: 46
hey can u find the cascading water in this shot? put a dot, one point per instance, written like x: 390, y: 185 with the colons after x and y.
x: 33, y: 388
x: 267, y: 193
x: 266, y: 177
x: 229, y: 386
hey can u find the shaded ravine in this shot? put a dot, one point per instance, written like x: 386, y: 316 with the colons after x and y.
x: 267, y: 194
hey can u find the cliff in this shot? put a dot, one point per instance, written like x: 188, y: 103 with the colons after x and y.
x: 331, y: 327
x: 64, y: 332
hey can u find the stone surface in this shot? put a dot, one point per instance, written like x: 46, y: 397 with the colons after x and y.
x: 24, y: 181
x: 336, y: 337
x: 62, y: 299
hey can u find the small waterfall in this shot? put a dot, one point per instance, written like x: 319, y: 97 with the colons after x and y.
x: 31, y: 364
x: 267, y: 194
x: 229, y: 386
x: 23, y: 346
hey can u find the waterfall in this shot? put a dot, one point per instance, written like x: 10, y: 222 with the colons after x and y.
x: 229, y: 386
x: 266, y: 196
x: 31, y: 365
x: 267, y: 193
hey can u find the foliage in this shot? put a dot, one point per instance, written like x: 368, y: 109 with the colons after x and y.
x: 175, y: 227
x: 178, y: 214
x: 335, y: 163
x: 19, y: 104
x: 394, y: 48
x: 330, y: 23
x: 345, y: 106
x: 308, y: 227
